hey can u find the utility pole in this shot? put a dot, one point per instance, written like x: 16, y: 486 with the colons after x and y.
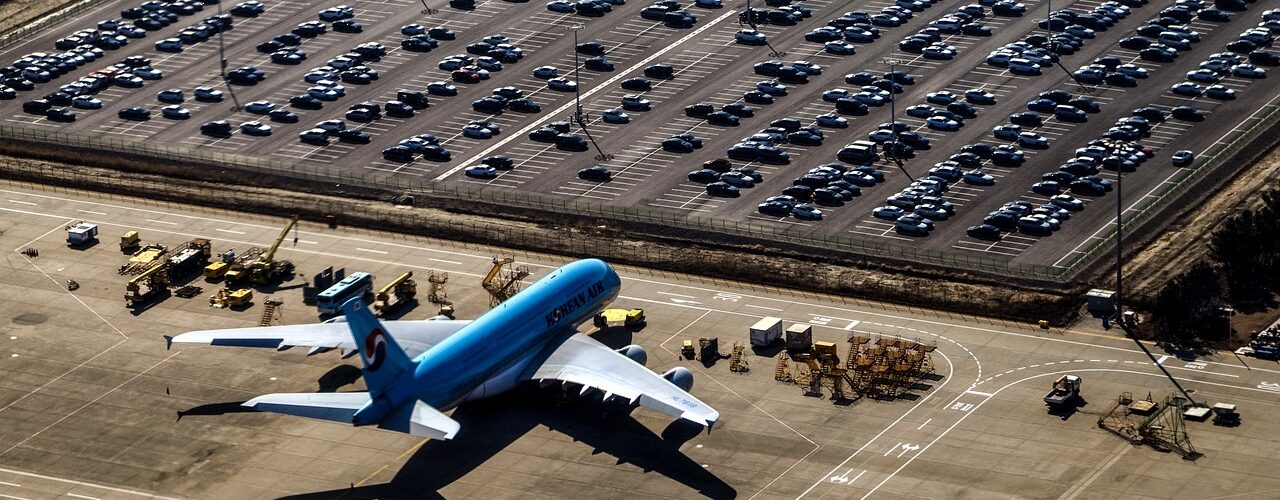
x: 427, y: 10
x: 1120, y: 316
x: 578, y: 116
x: 750, y: 21
x: 893, y: 117
x: 222, y: 64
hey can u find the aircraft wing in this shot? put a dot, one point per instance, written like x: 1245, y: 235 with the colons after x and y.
x: 414, y: 336
x: 583, y: 360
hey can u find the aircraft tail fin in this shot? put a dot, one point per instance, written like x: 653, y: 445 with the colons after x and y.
x: 383, y: 358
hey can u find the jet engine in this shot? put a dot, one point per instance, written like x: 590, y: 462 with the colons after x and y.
x: 635, y: 353
x: 681, y: 377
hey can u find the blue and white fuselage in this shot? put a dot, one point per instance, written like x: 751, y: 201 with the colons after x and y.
x: 532, y: 336
x: 487, y: 356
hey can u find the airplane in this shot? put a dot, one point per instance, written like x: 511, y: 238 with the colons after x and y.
x: 416, y: 370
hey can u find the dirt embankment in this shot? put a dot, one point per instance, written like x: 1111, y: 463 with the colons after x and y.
x: 1187, y: 240
x: 15, y: 13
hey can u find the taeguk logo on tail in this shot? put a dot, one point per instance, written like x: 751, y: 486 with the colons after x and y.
x: 375, y: 348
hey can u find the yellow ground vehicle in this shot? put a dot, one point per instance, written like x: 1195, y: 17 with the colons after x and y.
x: 227, y: 297
x: 129, y: 240
x: 629, y: 318
x: 404, y: 289
x: 155, y: 279
x: 216, y: 270
x: 265, y: 269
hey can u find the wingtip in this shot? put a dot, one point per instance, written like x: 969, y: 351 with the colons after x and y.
x: 168, y: 342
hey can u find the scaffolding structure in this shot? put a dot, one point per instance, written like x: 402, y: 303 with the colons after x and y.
x: 738, y: 360
x: 883, y: 367
x: 272, y: 312
x: 436, y: 294
x: 1158, y: 425
x: 887, y: 367
x: 503, y: 280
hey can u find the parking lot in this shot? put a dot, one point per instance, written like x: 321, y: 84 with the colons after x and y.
x: 708, y: 65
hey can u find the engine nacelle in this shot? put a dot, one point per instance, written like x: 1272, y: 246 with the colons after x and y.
x: 635, y: 353
x: 681, y: 377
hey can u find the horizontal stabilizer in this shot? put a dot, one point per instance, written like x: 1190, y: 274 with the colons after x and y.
x: 420, y: 419
x: 332, y: 406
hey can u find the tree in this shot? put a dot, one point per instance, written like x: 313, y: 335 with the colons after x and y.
x: 1186, y: 309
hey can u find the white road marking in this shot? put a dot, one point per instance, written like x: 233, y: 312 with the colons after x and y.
x: 675, y: 295
x: 91, y: 212
x: 83, y: 483
x: 758, y: 307
x: 83, y: 496
x: 228, y: 231
x: 23, y: 202
x: 605, y: 85
x: 15, y: 485
x: 162, y: 222
x: 446, y: 261
x: 383, y: 252
x: 926, y: 422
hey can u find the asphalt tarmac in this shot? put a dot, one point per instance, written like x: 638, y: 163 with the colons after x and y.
x: 95, y: 406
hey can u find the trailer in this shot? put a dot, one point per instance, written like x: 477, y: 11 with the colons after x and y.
x: 1064, y: 392
x: 799, y: 337
x: 82, y: 233
x: 766, y: 331
x: 190, y: 259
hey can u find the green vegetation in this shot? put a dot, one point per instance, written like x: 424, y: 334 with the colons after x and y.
x: 1243, y: 266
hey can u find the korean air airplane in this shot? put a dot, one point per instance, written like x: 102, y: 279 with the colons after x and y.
x: 416, y: 370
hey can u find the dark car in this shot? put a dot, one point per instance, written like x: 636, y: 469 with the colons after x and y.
x: 1187, y: 113
x: 136, y: 113
x: 305, y: 102
x: 984, y: 232
x: 638, y: 84
x: 595, y: 174
x: 62, y: 115
x: 36, y: 107
x: 598, y: 64
x: 660, y: 71
x: 219, y: 128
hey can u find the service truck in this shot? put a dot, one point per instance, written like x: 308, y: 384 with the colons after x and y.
x: 1064, y: 392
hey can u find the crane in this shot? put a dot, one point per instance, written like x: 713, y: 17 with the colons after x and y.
x: 155, y: 278
x: 265, y: 268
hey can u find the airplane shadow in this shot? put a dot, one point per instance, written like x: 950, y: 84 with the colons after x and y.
x: 339, y: 376
x: 492, y: 424
x: 215, y: 409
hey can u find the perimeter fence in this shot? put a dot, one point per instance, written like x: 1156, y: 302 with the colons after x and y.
x: 1244, y: 144
x: 478, y: 199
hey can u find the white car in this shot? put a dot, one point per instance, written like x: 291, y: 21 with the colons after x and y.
x: 545, y: 72
x: 832, y: 120
x: 615, y: 115
x: 750, y: 37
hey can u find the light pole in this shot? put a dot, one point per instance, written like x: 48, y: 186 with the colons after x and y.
x: 578, y: 116
x: 893, y: 116
x: 222, y: 63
